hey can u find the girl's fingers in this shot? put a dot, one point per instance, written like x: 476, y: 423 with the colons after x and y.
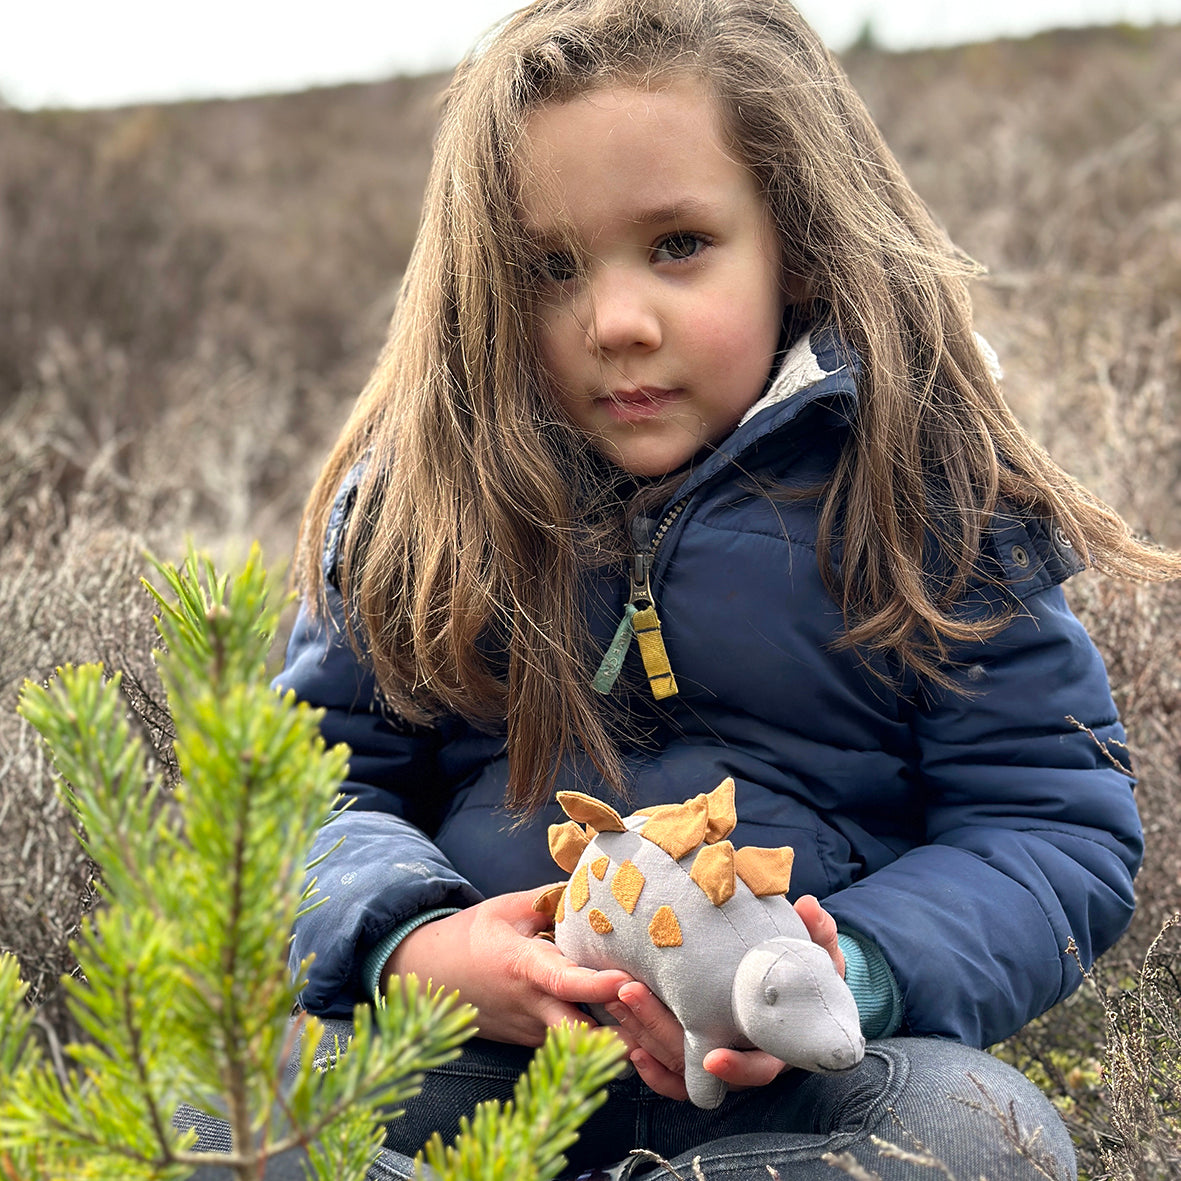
x: 662, y: 1080
x: 649, y: 1026
x: 555, y: 975
x: 743, y: 1068
x: 822, y: 929
x: 554, y: 1013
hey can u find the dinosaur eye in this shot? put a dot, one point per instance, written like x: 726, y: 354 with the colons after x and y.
x: 770, y: 994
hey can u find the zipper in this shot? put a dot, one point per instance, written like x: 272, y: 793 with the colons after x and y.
x: 640, y: 618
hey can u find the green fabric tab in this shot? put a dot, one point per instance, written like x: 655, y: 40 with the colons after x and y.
x: 612, y: 664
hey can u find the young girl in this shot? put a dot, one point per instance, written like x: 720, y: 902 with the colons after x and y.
x: 677, y: 333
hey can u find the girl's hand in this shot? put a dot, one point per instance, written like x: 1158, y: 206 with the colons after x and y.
x: 822, y: 928
x: 488, y: 953
x: 656, y: 1039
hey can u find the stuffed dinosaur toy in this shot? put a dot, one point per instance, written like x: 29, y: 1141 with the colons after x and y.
x: 707, y: 927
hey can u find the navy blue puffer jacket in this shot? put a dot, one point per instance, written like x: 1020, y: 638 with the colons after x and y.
x: 971, y: 836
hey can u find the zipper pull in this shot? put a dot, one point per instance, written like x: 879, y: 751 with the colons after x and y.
x: 639, y: 619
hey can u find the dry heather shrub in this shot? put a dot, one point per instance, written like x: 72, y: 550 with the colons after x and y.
x: 1057, y: 162
x: 89, y: 241
x: 1143, y: 1024
x: 1120, y: 1093
x: 1110, y: 1056
x: 1106, y: 1056
x: 1139, y: 629
x: 71, y: 595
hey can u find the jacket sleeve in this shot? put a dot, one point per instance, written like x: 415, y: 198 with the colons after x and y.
x: 1032, y: 835
x: 386, y: 868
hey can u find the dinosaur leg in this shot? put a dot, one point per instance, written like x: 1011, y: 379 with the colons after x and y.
x: 705, y: 1090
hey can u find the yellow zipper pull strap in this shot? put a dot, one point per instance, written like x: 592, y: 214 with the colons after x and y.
x: 612, y: 663
x: 646, y: 624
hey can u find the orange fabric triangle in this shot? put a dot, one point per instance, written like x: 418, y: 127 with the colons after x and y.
x: 626, y: 886
x: 664, y: 930
x: 722, y: 814
x: 600, y: 923
x: 677, y: 828
x: 713, y: 871
x: 587, y: 810
x: 547, y: 901
x: 765, y: 871
x: 566, y: 843
x: 579, y: 889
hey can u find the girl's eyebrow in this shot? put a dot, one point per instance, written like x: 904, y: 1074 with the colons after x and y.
x: 684, y: 209
x: 680, y: 211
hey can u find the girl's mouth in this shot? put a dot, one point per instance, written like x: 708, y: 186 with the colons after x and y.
x: 635, y: 405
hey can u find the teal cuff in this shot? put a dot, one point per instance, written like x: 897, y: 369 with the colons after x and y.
x: 872, y: 983
x: 374, y: 962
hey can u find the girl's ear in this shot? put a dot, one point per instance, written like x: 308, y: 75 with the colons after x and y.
x: 797, y: 290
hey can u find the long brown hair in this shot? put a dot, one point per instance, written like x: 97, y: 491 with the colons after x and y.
x: 474, y: 522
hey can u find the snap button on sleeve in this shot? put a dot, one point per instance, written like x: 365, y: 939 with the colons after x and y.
x: 1060, y: 538
x: 1020, y: 556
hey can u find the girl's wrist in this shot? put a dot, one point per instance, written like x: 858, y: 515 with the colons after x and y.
x: 374, y: 977
x: 872, y: 983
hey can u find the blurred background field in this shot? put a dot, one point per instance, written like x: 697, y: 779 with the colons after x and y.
x: 191, y: 295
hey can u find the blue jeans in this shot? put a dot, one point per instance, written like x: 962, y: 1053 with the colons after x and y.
x: 978, y: 1116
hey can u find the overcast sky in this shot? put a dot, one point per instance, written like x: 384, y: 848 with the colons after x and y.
x: 108, y: 52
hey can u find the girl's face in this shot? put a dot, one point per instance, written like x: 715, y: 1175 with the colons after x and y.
x: 659, y: 331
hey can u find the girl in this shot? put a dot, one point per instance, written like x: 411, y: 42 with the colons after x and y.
x: 678, y: 334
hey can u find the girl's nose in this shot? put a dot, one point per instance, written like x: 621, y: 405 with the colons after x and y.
x: 622, y: 316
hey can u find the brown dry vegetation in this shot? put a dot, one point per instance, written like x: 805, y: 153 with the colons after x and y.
x: 191, y: 295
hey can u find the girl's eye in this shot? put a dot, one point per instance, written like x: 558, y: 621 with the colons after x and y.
x: 677, y: 247
x: 558, y: 267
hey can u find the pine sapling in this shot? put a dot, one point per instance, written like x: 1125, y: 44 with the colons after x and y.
x: 184, y: 993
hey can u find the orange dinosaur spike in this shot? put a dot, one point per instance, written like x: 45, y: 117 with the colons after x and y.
x: 765, y: 871
x: 722, y: 814
x: 587, y: 810
x: 566, y: 843
x: 677, y: 828
x: 547, y: 901
x: 713, y: 871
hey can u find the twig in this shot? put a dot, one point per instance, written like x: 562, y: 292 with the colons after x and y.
x: 656, y: 1159
x: 919, y: 1156
x: 1024, y: 1146
x: 1103, y: 746
x: 847, y: 1163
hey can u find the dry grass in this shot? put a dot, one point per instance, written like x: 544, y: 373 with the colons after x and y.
x: 192, y: 295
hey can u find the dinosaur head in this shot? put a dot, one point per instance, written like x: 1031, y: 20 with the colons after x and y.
x: 789, y: 1000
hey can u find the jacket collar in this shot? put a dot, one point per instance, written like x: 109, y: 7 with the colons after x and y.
x: 809, y: 362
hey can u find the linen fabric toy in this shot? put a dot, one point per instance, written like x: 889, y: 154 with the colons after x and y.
x: 707, y: 927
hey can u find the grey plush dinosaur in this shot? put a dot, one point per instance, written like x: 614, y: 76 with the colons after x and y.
x: 707, y: 927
